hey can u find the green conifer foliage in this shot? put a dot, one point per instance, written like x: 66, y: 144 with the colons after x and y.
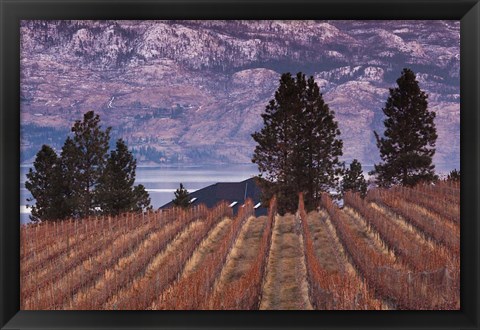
x: 44, y: 181
x: 408, y: 142
x: 298, y: 147
x: 91, y: 145
x: 182, y: 198
x: 85, y: 180
x: 115, y: 191
x: 353, y: 179
x: 454, y: 175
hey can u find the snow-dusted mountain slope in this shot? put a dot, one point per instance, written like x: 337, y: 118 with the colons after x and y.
x: 193, y: 91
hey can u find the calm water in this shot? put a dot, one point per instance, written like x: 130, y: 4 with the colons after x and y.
x: 161, y: 182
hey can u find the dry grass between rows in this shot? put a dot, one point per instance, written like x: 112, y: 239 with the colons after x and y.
x: 243, y: 252
x: 405, y: 224
x: 120, y: 265
x: 286, y: 287
x: 208, y: 245
x: 327, y: 253
x: 371, y: 237
x: 332, y: 255
x: 370, y: 234
x: 156, y: 265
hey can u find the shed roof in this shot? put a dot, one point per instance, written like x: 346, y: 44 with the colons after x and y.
x: 229, y: 192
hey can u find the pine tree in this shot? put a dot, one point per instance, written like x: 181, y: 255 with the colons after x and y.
x: 353, y: 179
x: 141, y: 199
x: 91, y: 146
x: 298, y: 147
x: 115, y: 192
x: 273, y: 152
x: 454, y: 175
x: 321, y: 147
x: 85, y: 179
x: 72, y: 187
x: 408, y: 142
x: 44, y: 182
x: 182, y: 198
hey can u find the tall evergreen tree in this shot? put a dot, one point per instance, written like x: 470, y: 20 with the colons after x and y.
x: 182, y: 198
x: 115, y: 192
x: 321, y: 146
x: 91, y: 144
x: 273, y: 153
x: 85, y: 179
x: 353, y: 179
x: 141, y: 198
x: 44, y: 182
x: 72, y: 187
x: 408, y: 142
x: 298, y: 147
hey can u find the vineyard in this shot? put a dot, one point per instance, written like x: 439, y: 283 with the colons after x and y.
x: 396, y: 249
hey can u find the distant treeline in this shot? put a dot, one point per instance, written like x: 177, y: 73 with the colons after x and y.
x: 30, y: 133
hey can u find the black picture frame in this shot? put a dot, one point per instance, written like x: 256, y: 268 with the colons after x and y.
x: 12, y: 11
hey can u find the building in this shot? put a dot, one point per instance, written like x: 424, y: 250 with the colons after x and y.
x: 234, y: 193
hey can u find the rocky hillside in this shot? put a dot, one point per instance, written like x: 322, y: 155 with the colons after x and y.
x: 193, y: 91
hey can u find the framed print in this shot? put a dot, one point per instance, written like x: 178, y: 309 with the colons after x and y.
x: 241, y: 164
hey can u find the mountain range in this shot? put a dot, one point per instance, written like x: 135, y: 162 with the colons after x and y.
x: 192, y: 92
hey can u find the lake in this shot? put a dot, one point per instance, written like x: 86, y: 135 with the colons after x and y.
x: 161, y: 182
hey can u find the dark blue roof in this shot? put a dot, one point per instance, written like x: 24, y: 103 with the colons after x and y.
x: 229, y: 192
